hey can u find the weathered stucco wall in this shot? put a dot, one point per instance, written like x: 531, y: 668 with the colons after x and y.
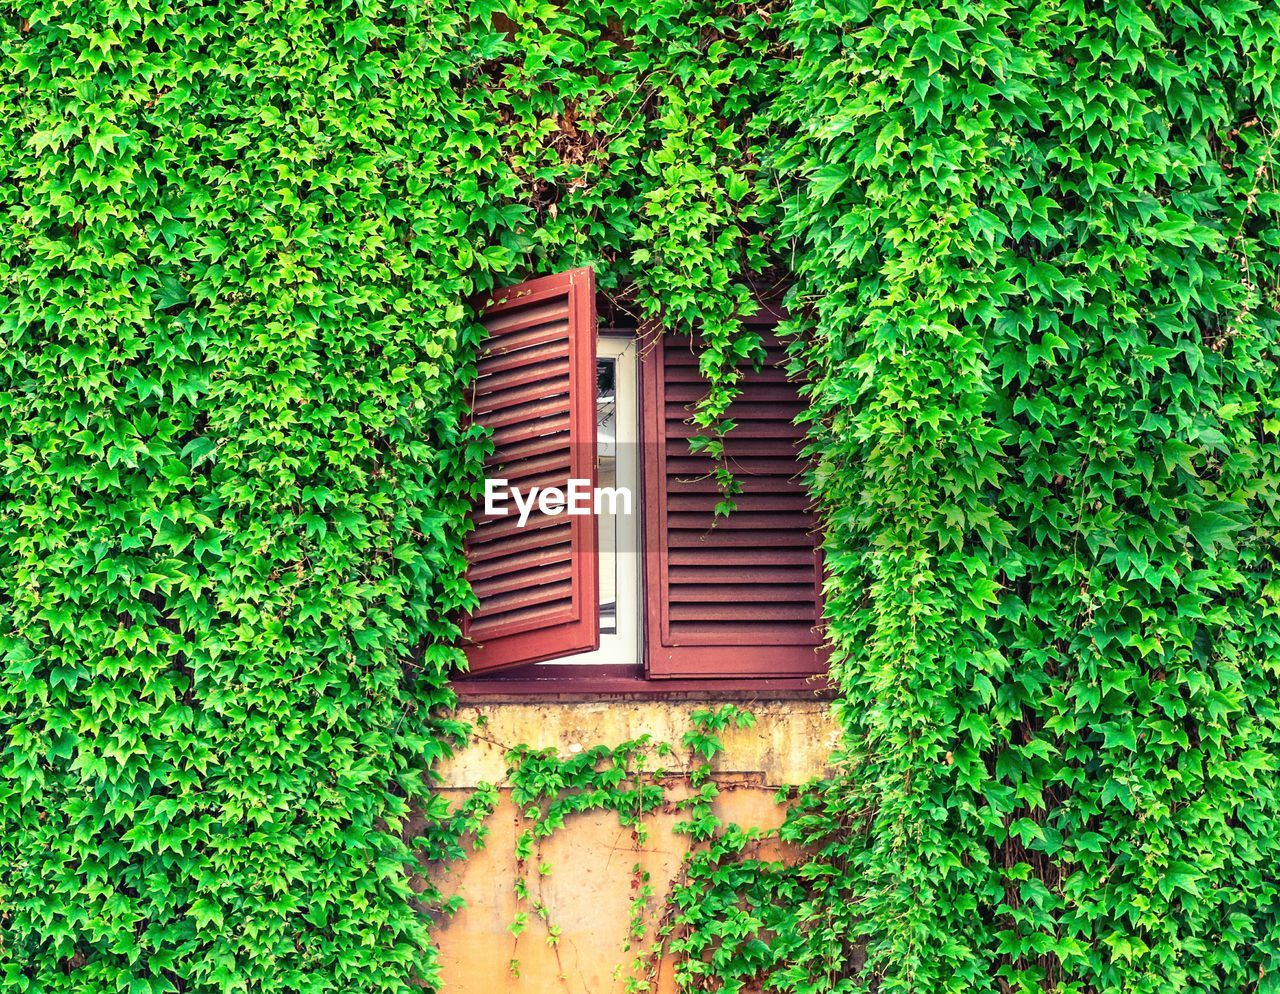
x: 589, y: 889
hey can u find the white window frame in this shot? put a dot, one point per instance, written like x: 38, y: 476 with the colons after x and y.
x: 623, y: 647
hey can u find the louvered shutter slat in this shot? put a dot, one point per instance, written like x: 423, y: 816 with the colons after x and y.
x: 535, y: 390
x: 736, y: 596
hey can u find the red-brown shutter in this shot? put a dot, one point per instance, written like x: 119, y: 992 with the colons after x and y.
x: 538, y: 585
x: 737, y: 596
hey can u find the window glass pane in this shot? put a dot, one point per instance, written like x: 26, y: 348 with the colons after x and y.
x: 607, y: 472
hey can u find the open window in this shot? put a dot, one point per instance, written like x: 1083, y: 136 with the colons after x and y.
x: 618, y: 514
x: 650, y: 588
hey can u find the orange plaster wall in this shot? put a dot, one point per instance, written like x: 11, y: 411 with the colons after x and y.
x: 589, y: 889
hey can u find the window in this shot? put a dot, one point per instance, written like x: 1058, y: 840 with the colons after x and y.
x: 644, y: 583
x: 618, y: 523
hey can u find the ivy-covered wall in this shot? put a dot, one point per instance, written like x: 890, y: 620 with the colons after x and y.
x: 1037, y: 261
x: 1031, y: 249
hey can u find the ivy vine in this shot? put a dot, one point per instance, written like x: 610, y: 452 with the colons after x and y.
x: 633, y: 780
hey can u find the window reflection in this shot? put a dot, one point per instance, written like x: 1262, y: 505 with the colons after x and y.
x: 607, y: 473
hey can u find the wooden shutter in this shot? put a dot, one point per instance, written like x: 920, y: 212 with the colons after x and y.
x: 538, y: 585
x: 737, y: 596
